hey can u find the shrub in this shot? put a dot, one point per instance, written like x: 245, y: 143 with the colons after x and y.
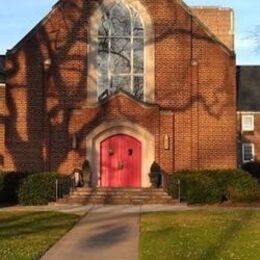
x: 209, y: 186
x: 38, y: 189
x: 1, y: 186
x: 253, y: 168
x: 196, y: 187
x: 202, y: 189
x: 244, y: 188
x: 173, y: 184
x: 9, y: 185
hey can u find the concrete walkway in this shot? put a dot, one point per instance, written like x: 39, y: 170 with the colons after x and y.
x: 107, y: 232
x: 104, y: 232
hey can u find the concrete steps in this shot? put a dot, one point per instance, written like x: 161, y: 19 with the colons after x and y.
x: 118, y: 196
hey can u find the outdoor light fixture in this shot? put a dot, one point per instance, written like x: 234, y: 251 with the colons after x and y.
x: 194, y: 63
x: 166, y: 142
x: 47, y: 63
x: 74, y: 141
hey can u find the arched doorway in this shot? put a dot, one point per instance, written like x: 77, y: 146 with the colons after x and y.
x: 120, y: 161
x: 120, y: 127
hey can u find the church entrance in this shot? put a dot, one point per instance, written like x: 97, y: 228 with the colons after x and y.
x: 120, y: 161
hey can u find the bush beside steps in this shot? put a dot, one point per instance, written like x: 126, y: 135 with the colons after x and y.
x: 214, y: 186
x: 39, y: 188
x: 29, y: 188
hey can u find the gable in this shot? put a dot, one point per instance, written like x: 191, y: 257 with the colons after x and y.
x: 65, y: 12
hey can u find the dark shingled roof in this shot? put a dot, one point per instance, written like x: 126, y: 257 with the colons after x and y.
x: 248, y: 84
x: 2, y: 72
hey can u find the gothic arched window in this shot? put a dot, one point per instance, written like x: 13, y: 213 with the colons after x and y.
x: 120, y: 60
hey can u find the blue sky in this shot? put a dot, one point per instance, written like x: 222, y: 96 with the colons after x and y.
x: 18, y: 17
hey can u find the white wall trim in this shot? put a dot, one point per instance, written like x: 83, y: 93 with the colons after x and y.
x: 248, y: 113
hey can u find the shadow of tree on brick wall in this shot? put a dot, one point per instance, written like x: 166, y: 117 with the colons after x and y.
x: 53, y: 94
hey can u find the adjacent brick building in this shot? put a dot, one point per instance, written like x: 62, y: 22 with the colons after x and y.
x: 120, y: 82
x: 248, y: 113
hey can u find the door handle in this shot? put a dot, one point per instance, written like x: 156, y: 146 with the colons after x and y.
x: 120, y: 165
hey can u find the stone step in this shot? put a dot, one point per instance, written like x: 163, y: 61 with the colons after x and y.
x: 118, y: 193
x: 116, y: 202
x: 117, y: 196
x: 120, y: 189
x: 120, y: 198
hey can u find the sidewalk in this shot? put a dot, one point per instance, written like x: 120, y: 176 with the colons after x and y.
x: 107, y: 232
x: 104, y: 232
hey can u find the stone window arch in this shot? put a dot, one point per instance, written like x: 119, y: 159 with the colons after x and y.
x: 120, y: 51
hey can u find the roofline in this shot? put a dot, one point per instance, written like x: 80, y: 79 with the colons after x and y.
x: 206, y: 29
x: 30, y: 34
x: 254, y: 112
x: 211, y: 7
x: 248, y: 65
x: 58, y: 4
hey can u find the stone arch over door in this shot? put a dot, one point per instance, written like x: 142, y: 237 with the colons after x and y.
x: 107, y: 129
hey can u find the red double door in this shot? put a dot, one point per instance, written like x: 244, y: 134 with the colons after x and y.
x: 120, y: 161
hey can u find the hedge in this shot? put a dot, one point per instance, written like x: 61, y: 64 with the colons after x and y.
x: 39, y: 188
x: 253, y: 168
x: 212, y: 186
x: 1, y: 186
x: 9, y: 185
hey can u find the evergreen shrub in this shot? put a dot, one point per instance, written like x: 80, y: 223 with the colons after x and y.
x: 211, y: 186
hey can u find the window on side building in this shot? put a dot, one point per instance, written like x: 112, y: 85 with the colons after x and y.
x: 248, y: 152
x: 248, y: 123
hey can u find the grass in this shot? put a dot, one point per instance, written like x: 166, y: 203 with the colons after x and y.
x: 27, y: 235
x: 201, y: 234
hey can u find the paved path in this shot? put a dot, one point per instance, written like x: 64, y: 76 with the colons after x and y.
x: 109, y: 233
x: 103, y: 233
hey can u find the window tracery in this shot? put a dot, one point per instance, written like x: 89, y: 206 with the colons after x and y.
x: 120, y: 59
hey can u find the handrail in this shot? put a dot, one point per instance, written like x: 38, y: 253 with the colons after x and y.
x: 64, y: 186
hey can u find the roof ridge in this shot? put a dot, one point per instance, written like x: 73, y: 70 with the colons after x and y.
x: 35, y: 28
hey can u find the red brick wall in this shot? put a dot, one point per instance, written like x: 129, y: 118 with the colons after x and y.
x: 195, y: 93
x: 219, y: 20
x: 2, y: 125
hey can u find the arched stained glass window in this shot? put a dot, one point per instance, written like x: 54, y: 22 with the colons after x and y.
x: 120, y: 58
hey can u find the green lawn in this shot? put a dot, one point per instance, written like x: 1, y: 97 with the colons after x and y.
x: 201, y: 234
x: 27, y: 235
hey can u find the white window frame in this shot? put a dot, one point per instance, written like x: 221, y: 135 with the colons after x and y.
x: 245, y: 126
x: 130, y: 37
x: 149, y: 51
x: 243, y: 152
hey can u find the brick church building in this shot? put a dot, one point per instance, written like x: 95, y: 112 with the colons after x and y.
x: 121, y: 83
